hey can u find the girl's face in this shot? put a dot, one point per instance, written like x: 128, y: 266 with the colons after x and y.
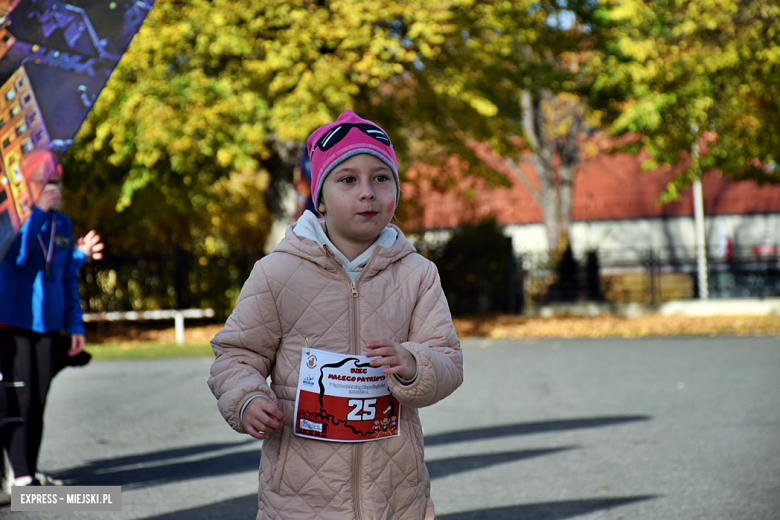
x: 54, y: 185
x: 358, y: 202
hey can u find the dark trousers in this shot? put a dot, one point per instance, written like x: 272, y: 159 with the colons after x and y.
x: 28, y: 363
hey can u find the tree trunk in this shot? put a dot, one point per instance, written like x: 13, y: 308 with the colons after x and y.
x: 551, y: 208
x: 557, y: 183
x: 565, y: 203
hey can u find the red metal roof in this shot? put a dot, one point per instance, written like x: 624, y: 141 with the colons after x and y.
x: 606, y: 187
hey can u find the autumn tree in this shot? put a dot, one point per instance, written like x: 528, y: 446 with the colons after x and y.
x: 693, y: 77
x: 507, y: 90
x: 206, y: 112
x: 682, y: 77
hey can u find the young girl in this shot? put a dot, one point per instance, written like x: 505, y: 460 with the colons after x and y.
x: 338, y: 305
x: 39, y: 297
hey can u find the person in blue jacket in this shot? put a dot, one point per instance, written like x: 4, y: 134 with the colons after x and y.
x: 38, y: 299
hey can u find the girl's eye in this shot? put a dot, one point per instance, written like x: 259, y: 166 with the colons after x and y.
x: 381, y: 178
x: 347, y: 180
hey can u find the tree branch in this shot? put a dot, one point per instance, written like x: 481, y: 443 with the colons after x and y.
x: 533, y: 127
x: 524, y: 180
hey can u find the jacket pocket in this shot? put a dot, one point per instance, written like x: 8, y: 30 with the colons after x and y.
x: 281, y: 460
x: 414, y: 435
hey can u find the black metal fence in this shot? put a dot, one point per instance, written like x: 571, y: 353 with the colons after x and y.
x: 178, y: 280
x: 648, y: 276
x: 476, y: 278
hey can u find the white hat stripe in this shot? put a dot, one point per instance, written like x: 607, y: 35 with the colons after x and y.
x: 331, y: 134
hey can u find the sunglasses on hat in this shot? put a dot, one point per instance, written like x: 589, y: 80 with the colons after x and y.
x: 337, y: 133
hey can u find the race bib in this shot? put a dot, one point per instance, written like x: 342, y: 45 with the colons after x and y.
x: 342, y: 398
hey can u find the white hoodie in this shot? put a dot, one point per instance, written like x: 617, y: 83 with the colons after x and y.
x: 313, y: 228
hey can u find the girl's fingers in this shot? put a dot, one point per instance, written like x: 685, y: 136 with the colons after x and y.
x: 256, y: 431
x: 388, y: 361
x: 381, y: 351
x: 261, y: 436
x: 270, y: 420
x: 263, y: 427
x: 374, y: 349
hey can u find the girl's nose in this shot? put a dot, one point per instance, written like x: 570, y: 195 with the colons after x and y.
x: 367, y: 193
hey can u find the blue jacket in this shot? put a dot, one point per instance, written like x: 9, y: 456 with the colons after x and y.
x: 31, y: 300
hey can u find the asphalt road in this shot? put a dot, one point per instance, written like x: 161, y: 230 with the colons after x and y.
x: 644, y: 429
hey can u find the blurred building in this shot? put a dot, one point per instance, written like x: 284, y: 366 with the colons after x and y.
x: 52, y: 67
x: 616, y: 207
x: 21, y: 127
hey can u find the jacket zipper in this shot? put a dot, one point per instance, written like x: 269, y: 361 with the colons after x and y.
x: 355, y: 349
x: 358, y: 453
x: 357, y: 449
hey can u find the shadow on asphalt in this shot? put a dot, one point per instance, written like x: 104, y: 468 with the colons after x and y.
x: 152, y: 469
x: 161, y: 467
x: 547, y: 510
x: 445, y: 467
x: 213, y: 460
x: 531, y: 428
x: 246, y: 507
x: 242, y: 507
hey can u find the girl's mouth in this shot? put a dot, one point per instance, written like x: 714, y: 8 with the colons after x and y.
x: 368, y: 214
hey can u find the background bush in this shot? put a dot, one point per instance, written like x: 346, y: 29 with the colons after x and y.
x: 474, y: 265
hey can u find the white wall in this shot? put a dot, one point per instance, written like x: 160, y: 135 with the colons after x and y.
x: 628, y: 236
x: 280, y: 224
x: 639, y: 235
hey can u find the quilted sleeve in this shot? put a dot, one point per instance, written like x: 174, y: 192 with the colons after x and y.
x: 434, y: 344
x: 245, y: 349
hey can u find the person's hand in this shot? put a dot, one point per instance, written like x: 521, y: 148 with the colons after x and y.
x: 394, y: 357
x: 76, y: 344
x: 50, y: 198
x: 262, y: 417
x: 90, y: 245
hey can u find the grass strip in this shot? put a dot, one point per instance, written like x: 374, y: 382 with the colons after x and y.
x: 500, y: 326
x: 611, y: 326
x: 147, y: 350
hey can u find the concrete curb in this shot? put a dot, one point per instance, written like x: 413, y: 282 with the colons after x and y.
x: 724, y: 307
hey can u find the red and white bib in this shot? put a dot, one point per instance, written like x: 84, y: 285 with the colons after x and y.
x: 342, y: 398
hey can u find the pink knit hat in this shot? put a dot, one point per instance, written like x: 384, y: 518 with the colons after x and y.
x: 349, y: 135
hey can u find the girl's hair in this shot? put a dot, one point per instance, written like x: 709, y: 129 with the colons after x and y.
x: 37, y: 167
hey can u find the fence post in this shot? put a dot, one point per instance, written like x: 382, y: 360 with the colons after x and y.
x: 525, y: 282
x: 178, y: 321
x: 659, y: 280
x: 512, y: 290
x: 593, y: 276
x: 651, y: 261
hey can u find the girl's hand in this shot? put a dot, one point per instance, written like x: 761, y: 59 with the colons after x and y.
x: 91, y: 246
x: 50, y: 198
x: 262, y: 417
x: 76, y: 344
x: 394, y: 357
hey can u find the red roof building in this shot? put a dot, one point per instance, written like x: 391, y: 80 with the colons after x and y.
x: 607, y: 187
x: 615, y: 206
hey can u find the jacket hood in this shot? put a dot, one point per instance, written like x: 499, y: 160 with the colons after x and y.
x: 313, y: 252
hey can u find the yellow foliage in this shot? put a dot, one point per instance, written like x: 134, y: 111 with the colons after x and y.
x: 681, y: 69
x: 218, y: 89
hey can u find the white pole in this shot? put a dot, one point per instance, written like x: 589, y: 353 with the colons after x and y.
x: 178, y: 321
x: 701, y: 245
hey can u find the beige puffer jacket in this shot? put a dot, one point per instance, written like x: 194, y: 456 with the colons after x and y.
x: 301, y: 291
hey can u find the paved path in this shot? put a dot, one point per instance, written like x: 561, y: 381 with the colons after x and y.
x: 540, y: 430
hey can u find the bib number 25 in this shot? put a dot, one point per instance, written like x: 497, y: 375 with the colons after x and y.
x: 362, y: 409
